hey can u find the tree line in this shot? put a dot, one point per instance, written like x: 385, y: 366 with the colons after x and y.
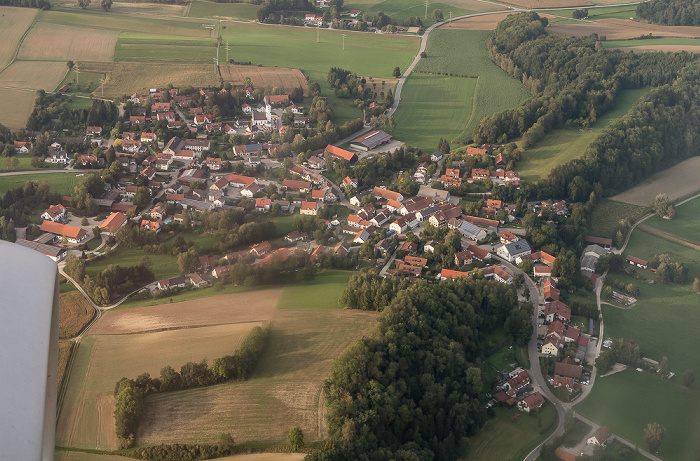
x: 41, y: 4
x: 671, y: 12
x: 412, y: 389
x: 110, y: 282
x: 49, y: 107
x: 130, y: 393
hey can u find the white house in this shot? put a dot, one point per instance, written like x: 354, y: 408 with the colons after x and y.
x: 512, y: 250
x: 54, y: 213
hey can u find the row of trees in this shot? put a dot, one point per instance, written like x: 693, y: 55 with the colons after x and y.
x: 413, y: 388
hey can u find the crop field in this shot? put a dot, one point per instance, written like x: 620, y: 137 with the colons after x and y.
x: 64, y: 348
x: 137, y: 47
x: 323, y: 292
x: 608, y: 213
x: 86, y: 419
x: 678, y: 181
x: 251, y: 306
x: 504, y: 439
x: 264, y: 77
x: 55, y: 42
x: 132, y: 8
x: 284, y: 391
x: 623, y: 29
x: 63, y: 183
x: 679, y: 42
x: 686, y: 223
x: 129, y: 23
x: 22, y: 103
x: 14, y: 22
x: 434, y: 107
x: 127, y: 78
x: 33, y: 75
x: 564, y: 144
x: 74, y: 313
x: 81, y: 456
x: 244, y: 11
x: 458, y: 52
x: 627, y: 401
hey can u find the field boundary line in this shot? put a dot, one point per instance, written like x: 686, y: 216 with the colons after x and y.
x: 692, y: 244
x: 19, y: 43
x: 66, y: 376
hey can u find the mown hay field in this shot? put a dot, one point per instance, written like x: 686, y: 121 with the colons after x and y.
x: 87, y: 415
x: 74, y: 313
x: 33, y: 75
x: 55, y: 42
x: 686, y: 224
x: 63, y: 183
x: 284, y: 391
x: 401, y: 10
x: 22, y: 103
x: 676, y: 182
x: 14, y: 22
x: 244, y: 11
x: 624, y: 29
x: 264, y: 77
x: 140, y: 47
x: 127, y: 78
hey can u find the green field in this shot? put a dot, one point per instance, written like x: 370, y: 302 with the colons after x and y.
x: 434, y: 107
x: 323, y: 292
x: 137, y: 47
x: 686, y: 224
x: 565, y: 144
x: 626, y: 402
x: 655, y: 41
x: 505, y: 440
x: 163, y: 265
x: 63, y: 183
x: 245, y: 11
x: 459, y: 52
x: 89, y: 82
x: 25, y: 163
x: 401, y: 10
x: 608, y: 214
x: 370, y: 55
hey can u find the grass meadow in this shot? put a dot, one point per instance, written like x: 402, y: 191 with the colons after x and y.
x: 459, y: 52
x: 135, y: 47
x: 686, y: 224
x: 164, y: 266
x: 84, y: 83
x: 323, y: 292
x: 63, y: 183
x: 507, y: 440
x: 607, y: 215
x: 648, y: 42
x: 627, y: 401
x: 565, y: 144
x: 243, y: 11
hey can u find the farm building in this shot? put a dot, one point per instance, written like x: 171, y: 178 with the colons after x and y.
x: 369, y: 141
x: 72, y: 233
x: 57, y: 254
x: 637, y: 262
x: 337, y: 152
x: 113, y: 223
x: 601, y: 437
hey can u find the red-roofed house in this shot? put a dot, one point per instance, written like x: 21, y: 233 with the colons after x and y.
x: 54, y: 213
x: 113, y: 223
x: 343, y: 154
x: 261, y: 248
x: 449, y: 273
x: 531, y: 402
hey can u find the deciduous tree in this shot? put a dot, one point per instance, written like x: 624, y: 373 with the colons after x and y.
x: 654, y: 435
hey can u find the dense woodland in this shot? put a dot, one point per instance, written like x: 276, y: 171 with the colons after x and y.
x: 671, y: 12
x: 48, y: 107
x: 413, y: 388
x: 574, y: 80
x: 42, y: 4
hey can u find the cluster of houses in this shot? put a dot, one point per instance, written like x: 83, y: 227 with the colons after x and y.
x: 513, y: 391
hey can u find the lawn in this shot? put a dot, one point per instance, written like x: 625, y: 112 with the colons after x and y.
x: 25, y: 163
x: 565, y: 144
x: 245, y: 11
x: 137, y: 47
x: 686, y: 224
x: 434, y: 107
x: 627, y: 401
x: 648, y: 42
x: 504, y: 439
x: 164, y: 266
x: 283, y: 224
x: 608, y: 214
x: 458, y: 52
x: 63, y: 183
x: 323, y: 292
x: 84, y: 83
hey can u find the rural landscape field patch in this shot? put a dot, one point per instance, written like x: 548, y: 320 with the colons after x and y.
x: 74, y: 312
x: 264, y: 77
x: 14, y: 21
x: 86, y: 419
x: 55, y: 42
x: 284, y: 391
x: 22, y: 103
x: 623, y: 29
x: 243, y: 10
x: 676, y: 182
x: 33, y: 75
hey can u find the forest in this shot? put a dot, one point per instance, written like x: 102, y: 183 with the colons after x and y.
x: 412, y: 389
x: 670, y: 12
x: 573, y: 81
x: 42, y: 4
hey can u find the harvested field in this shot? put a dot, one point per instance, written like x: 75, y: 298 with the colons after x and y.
x: 285, y: 390
x: 56, y: 42
x: 547, y: 3
x: 473, y: 5
x: 13, y: 23
x: 266, y: 457
x: 64, y: 348
x: 264, y: 77
x: 80, y: 456
x: 488, y: 22
x: 665, y: 48
x: 624, y: 29
x: 127, y: 78
x: 233, y: 308
x: 676, y: 182
x: 33, y: 75
x: 22, y: 103
x: 74, y: 313
x: 87, y: 419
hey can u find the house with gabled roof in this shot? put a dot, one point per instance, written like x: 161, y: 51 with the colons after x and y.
x: 113, y: 223
x: 338, y: 153
x: 452, y: 274
x: 601, y: 437
x: 512, y: 250
x: 54, y: 213
x: 72, y: 233
x: 261, y: 249
x: 531, y: 402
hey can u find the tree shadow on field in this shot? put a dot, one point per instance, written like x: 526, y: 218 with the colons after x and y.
x: 286, y: 353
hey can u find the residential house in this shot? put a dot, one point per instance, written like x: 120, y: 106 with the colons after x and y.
x: 250, y: 190
x: 508, y: 237
x: 380, y: 218
x: 263, y: 204
x: 568, y: 369
x: 437, y: 156
x: 54, y: 213
x: 113, y: 223
x: 601, y: 437
x: 296, y: 185
x: 479, y: 253
x: 531, y: 402
x: 498, y: 274
x: 196, y: 280
x: 154, y: 226
x: 221, y: 271
x: 171, y: 283
x: 476, y: 151
x: 348, y: 181
x: 449, y: 273
x: 158, y: 212
x: 557, y: 310
x: 316, y: 163
x: 462, y: 258
x: 310, y: 208
x: 22, y: 147
x: 213, y: 164
x: 430, y: 246
x: 512, y: 250
x: 296, y: 236
x: 363, y: 235
x: 148, y: 137
x: 261, y: 249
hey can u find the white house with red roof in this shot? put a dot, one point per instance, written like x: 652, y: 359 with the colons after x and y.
x: 54, y: 213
